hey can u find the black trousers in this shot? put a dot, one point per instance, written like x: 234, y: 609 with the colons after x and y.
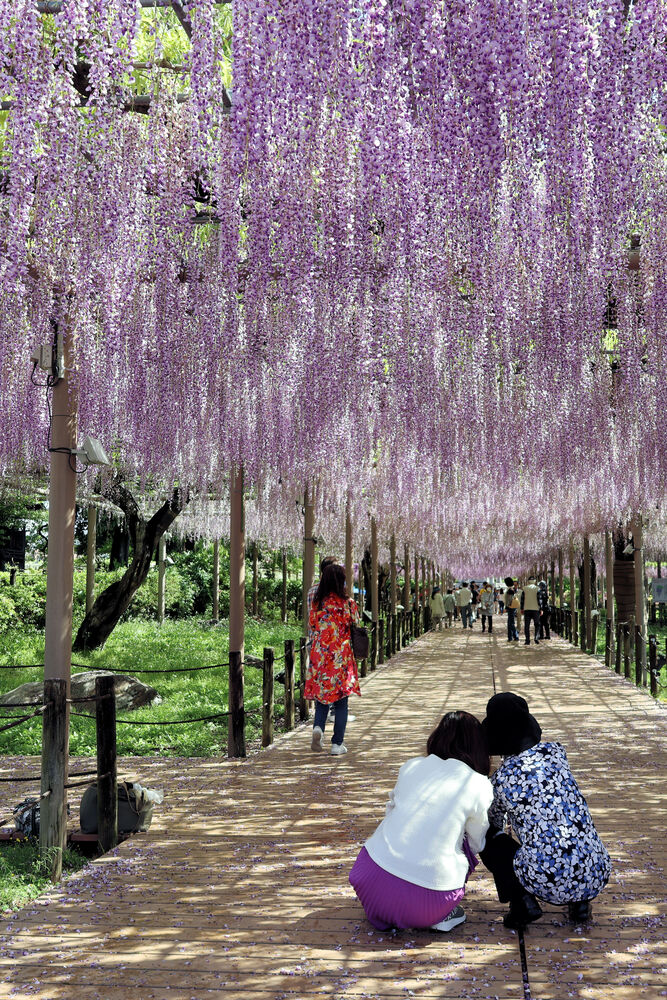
x: 498, y: 857
x: 528, y: 617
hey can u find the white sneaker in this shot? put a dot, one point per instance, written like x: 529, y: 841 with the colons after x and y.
x: 338, y: 748
x: 456, y: 917
x: 316, y: 742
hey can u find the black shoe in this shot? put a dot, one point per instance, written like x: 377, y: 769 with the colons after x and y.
x: 522, y: 911
x: 537, y: 642
x: 527, y: 642
x: 579, y: 913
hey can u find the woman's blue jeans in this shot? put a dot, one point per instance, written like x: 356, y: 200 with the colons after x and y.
x: 512, y: 632
x: 340, y: 718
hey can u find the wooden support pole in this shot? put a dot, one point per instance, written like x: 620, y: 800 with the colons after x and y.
x: 236, y: 726
x: 216, y: 580
x: 161, y: 567
x: 289, y: 684
x: 573, y: 597
x: 609, y: 592
x: 303, y: 666
x: 91, y: 546
x: 107, y: 766
x: 380, y: 640
x: 653, y: 664
x: 255, y: 580
x: 59, y: 600
x: 561, y: 581
x: 267, y: 697
x: 392, y: 595
x: 349, y: 566
x: 587, y: 595
x: 308, y: 554
x: 283, y: 592
x: 640, y: 598
x: 375, y: 608
x: 406, y: 579
x: 626, y: 649
x: 55, y: 744
x: 619, y: 647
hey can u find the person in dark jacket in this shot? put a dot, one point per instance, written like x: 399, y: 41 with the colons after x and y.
x: 543, y: 602
x: 557, y: 856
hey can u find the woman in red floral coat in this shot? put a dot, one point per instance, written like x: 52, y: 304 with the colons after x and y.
x: 332, y: 668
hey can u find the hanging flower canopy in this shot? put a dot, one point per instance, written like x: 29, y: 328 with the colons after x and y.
x: 431, y: 274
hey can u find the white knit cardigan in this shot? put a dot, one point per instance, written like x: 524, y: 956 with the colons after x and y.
x: 433, y: 805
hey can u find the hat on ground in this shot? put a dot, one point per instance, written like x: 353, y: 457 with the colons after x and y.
x: 509, y: 727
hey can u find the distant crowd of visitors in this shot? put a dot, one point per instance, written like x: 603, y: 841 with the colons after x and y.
x: 528, y: 821
x: 470, y: 602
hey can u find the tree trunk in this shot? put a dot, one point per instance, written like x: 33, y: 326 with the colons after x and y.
x: 113, y: 602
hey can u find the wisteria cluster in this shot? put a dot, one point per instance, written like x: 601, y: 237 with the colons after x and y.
x: 412, y: 291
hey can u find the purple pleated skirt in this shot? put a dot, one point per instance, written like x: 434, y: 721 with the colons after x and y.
x: 389, y: 901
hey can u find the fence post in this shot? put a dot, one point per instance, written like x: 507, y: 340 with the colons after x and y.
x: 653, y: 664
x: 582, y: 631
x: 380, y: 640
x: 303, y: 665
x: 626, y: 649
x: 640, y: 658
x: 236, y: 706
x: 289, y: 684
x: 607, y: 643
x: 53, y: 810
x: 595, y: 621
x: 107, y: 773
x: 374, y: 644
x: 619, y: 647
x: 267, y: 697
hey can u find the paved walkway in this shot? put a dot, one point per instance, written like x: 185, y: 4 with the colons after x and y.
x: 240, y: 889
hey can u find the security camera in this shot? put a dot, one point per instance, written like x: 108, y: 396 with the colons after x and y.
x: 92, y: 452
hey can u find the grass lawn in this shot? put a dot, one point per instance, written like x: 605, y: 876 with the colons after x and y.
x: 139, y: 645
x: 21, y: 874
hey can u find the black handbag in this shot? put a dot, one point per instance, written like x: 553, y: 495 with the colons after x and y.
x: 359, y: 640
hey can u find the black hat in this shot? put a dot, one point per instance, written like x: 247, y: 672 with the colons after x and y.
x: 509, y: 727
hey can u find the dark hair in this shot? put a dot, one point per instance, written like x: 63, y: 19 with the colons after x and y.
x: 327, y: 561
x: 460, y: 735
x: 332, y: 582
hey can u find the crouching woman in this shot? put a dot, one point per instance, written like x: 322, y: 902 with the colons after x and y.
x: 412, y: 871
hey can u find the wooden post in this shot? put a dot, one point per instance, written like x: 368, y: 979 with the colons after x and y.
x: 392, y: 595
x: 216, y: 580
x: 424, y: 603
x: 619, y: 647
x: 573, y: 597
x: 283, y: 596
x: 374, y: 571
x: 289, y: 684
x: 417, y: 601
x: 59, y: 600
x: 380, y: 640
x: 406, y: 580
x: 640, y: 673
x: 626, y: 649
x: 349, y: 569
x: 308, y: 554
x: 107, y: 773
x: 609, y: 591
x: 303, y: 666
x: 236, y: 725
x: 255, y: 581
x: 587, y: 594
x: 553, y: 583
x: 560, y: 578
x: 161, y: 566
x: 640, y: 599
x: 53, y: 809
x: 653, y: 663
x: 91, y: 545
x: 267, y: 697
x: 583, y: 638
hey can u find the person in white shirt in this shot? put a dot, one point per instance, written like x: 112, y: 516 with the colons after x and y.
x: 531, y: 610
x: 412, y: 871
x: 464, y: 604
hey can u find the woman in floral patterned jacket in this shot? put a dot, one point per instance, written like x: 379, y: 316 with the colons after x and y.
x: 332, y: 668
